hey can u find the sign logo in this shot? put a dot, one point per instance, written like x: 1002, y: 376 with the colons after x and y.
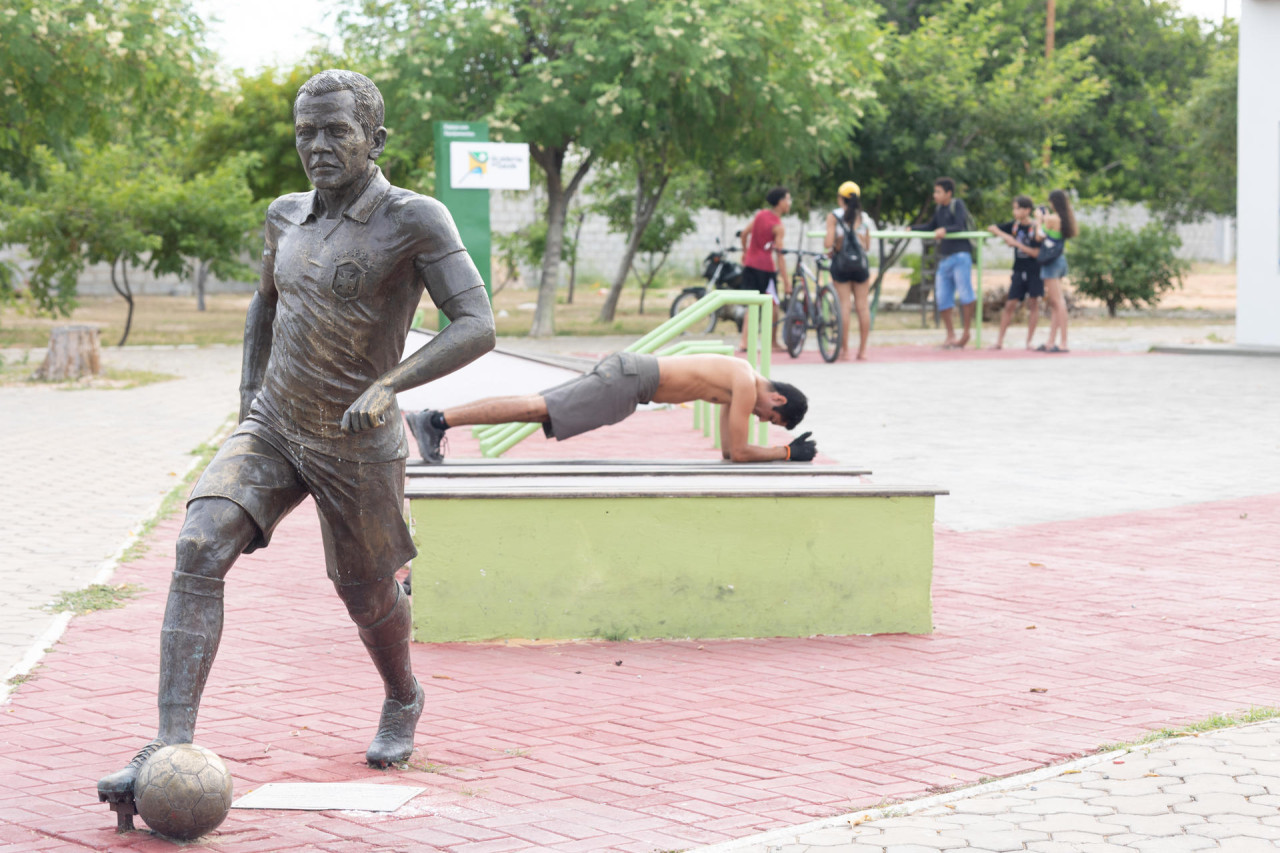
x: 488, y: 166
x: 477, y: 163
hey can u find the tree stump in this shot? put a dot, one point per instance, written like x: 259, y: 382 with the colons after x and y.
x: 73, y: 353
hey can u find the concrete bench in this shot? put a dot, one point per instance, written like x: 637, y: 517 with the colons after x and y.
x: 561, y: 550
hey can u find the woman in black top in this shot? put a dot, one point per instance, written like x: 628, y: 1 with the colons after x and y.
x: 847, y: 222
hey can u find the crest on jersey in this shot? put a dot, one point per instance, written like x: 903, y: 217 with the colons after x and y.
x: 348, y: 278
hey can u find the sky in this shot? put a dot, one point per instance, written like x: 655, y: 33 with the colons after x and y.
x: 254, y: 34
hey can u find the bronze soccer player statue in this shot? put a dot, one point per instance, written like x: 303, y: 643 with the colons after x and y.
x: 342, y: 272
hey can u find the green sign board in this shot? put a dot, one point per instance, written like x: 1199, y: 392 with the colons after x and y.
x: 470, y: 208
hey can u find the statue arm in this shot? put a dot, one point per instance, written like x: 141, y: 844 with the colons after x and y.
x: 258, y: 328
x: 469, y: 335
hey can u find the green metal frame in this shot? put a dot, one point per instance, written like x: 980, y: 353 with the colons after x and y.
x: 980, y: 236
x: 497, y: 439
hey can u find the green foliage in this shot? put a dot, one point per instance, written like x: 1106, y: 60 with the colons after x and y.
x: 1203, y: 135
x: 1150, y: 55
x: 94, y: 597
x: 256, y: 118
x: 658, y: 82
x: 965, y: 96
x: 101, y: 68
x: 1118, y: 265
x: 125, y: 205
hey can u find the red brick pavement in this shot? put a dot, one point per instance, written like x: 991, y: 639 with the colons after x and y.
x: 1140, y: 620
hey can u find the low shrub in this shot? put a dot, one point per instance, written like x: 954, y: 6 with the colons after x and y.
x: 1117, y: 265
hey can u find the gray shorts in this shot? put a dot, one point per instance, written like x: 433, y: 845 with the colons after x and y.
x: 606, y: 395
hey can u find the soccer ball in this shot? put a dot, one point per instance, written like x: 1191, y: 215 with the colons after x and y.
x: 183, y: 791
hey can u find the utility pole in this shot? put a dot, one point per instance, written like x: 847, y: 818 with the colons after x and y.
x: 1050, y: 24
x: 1048, y: 31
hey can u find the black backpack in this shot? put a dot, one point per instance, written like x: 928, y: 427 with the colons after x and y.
x: 850, y: 263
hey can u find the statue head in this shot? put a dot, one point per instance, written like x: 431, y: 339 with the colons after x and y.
x: 337, y: 120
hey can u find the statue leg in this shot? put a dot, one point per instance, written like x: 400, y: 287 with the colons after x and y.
x: 380, y: 610
x: 214, y: 534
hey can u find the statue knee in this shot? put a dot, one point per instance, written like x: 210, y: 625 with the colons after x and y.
x: 370, y: 604
x: 215, y: 532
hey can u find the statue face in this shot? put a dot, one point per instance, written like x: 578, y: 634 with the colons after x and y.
x: 333, y: 146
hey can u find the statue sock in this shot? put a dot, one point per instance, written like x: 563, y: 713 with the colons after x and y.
x: 188, y: 643
x: 387, y: 641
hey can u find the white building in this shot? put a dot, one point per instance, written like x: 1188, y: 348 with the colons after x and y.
x: 1258, y: 186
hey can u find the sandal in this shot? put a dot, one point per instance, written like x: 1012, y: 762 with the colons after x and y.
x: 1043, y: 348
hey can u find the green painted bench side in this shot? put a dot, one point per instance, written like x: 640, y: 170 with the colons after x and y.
x: 703, y: 566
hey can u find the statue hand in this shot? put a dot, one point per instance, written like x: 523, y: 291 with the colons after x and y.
x: 369, y: 411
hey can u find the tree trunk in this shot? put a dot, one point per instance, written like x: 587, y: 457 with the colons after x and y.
x: 73, y: 352
x: 558, y: 197
x: 202, y: 273
x: 573, y: 264
x: 126, y: 292
x: 646, y: 204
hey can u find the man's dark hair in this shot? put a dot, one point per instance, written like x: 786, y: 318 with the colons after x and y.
x: 947, y: 184
x: 797, y: 405
x: 1024, y: 202
x: 369, y: 109
x: 776, y: 195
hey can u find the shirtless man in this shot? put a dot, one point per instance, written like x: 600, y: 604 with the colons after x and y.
x: 613, y: 389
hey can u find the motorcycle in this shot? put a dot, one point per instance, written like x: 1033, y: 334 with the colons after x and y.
x: 720, y: 273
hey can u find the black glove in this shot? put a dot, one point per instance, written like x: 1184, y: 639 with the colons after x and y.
x: 803, y: 449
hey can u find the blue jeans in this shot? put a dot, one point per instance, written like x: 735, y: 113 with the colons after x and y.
x: 955, y: 277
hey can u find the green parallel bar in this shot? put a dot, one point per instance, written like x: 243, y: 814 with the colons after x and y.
x: 698, y: 414
x: 512, y: 440
x: 497, y: 432
x: 489, y: 442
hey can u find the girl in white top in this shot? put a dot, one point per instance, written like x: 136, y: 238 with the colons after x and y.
x: 849, y: 217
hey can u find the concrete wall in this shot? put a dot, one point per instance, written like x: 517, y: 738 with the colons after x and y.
x: 1258, y: 189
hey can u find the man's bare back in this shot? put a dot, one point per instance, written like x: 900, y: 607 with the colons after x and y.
x: 685, y: 378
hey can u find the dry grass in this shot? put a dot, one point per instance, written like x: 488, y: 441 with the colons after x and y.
x: 175, y: 320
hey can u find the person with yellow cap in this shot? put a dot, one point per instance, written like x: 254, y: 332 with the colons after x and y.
x: 847, y: 225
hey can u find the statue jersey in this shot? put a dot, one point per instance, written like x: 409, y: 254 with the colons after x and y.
x: 347, y: 290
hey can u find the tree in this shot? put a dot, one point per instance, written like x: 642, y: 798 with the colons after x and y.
x: 963, y: 95
x: 671, y: 219
x: 1204, y: 135
x: 1117, y: 265
x: 125, y: 205
x: 207, y: 219
x: 718, y: 92
x: 101, y: 68
x: 256, y: 117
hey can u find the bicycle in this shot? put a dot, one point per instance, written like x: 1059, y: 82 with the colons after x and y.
x: 818, y: 310
x: 722, y: 274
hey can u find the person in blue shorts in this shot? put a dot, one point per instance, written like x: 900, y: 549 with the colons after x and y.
x: 955, y: 260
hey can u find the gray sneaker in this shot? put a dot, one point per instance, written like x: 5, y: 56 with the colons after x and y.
x: 427, y: 436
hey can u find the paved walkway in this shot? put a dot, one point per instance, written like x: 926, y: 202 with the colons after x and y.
x: 80, y: 471
x: 1125, y: 611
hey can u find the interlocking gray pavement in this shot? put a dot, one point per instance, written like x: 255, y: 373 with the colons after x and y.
x: 1214, y: 791
x: 80, y: 470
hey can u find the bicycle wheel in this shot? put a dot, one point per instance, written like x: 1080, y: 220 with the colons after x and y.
x: 685, y: 300
x: 830, y: 323
x: 795, y: 323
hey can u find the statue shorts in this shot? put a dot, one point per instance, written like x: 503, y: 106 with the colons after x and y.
x: 361, y: 504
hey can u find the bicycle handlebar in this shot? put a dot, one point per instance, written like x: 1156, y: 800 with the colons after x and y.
x: 803, y: 253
